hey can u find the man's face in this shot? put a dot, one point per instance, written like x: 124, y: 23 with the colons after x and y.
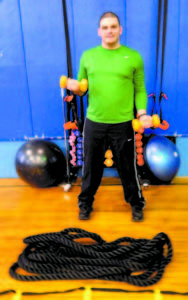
x: 109, y: 31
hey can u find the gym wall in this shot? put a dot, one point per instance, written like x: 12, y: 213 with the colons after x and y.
x: 33, y: 57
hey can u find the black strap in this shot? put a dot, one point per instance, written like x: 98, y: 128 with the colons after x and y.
x: 73, y: 104
x: 158, y: 38
x: 71, y: 107
x: 154, y: 109
x: 68, y: 50
x: 164, y: 25
x: 163, y: 55
x: 163, y: 39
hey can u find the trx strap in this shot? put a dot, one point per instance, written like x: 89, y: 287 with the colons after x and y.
x: 164, y: 38
x: 68, y: 52
x: 158, y: 38
x: 69, y: 61
x: 71, y: 104
x: 75, y: 115
x: 164, y: 124
x: 69, y: 68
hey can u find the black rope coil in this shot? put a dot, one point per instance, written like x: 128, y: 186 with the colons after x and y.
x: 55, y: 256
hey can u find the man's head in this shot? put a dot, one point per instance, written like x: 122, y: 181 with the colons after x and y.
x: 109, y: 30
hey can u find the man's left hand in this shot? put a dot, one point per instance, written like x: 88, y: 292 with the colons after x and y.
x: 146, y: 121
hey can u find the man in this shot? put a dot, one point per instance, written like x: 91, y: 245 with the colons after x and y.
x: 115, y: 75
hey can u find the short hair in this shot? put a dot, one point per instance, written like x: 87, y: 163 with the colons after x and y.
x: 109, y: 14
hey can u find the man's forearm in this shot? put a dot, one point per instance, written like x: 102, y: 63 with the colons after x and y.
x: 141, y: 112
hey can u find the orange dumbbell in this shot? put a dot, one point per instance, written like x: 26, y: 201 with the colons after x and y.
x: 138, y: 137
x: 139, y: 144
x: 108, y: 154
x: 83, y: 84
x: 108, y: 161
x: 138, y: 125
x: 139, y: 150
x: 140, y: 161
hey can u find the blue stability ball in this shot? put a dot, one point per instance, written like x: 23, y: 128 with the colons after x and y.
x: 41, y: 163
x: 162, y: 158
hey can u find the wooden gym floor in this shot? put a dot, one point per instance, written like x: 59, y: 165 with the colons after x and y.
x: 27, y: 211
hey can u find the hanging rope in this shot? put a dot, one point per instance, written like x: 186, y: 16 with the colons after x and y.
x: 162, y: 7
x: 50, y: 256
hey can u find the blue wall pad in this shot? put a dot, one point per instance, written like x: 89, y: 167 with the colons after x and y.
x: 182, y: 145
x: 15, y: 113
x: 44, y: 39
x: 7, y: 157
x: 181, y: 114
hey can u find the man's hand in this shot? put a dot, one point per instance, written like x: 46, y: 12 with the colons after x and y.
x: 77, y: 87
x: 73, y: 85
x: 146, y: 121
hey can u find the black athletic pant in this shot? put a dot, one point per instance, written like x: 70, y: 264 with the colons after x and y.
x: 121, y: 139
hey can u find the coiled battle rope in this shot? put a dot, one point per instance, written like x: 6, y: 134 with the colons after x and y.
x: 50, y: 256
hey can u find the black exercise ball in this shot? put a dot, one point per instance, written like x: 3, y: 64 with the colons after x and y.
x: 41, y: 163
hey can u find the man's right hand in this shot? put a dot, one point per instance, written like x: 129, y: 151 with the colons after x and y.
x: 72, y: 84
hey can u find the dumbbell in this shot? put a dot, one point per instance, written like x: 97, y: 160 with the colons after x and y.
x: 79, y: 162
x: 138, y: 125
x: 83, y: 84
x: 108, y: 161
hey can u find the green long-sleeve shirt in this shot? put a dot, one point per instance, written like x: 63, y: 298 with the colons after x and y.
x: 115, y: 80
